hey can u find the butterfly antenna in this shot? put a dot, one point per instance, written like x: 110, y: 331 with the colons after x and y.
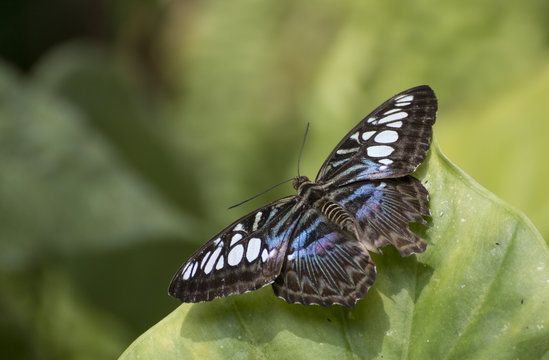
x: 283, y: 182
x: 261, y: 193
x: 302, y: 146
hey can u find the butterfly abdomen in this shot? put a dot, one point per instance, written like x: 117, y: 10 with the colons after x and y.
x: 335, y: 213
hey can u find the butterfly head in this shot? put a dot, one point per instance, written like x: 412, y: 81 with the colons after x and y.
x: 299, y: 181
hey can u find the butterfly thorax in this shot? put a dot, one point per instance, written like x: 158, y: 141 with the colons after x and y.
x: 308, y: 191
x: 314, y: 195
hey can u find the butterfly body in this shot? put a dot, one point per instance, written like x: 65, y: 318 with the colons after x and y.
x: 317, y: 196
x: 311, y: 194
x: 314, y: 246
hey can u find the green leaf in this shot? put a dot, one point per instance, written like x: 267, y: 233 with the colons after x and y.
x: 479, y: 291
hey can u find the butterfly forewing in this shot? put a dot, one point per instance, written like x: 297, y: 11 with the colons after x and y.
x: 324, y: 264
x: 390, y: 142
x: 246, y: 255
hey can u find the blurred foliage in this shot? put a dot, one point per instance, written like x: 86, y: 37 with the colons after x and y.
x: 126, y: 128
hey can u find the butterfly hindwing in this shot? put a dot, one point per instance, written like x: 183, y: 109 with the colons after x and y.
x: 246, y: 255
x: 324, y: 265
x: 390, y: 142
x: 383, y: 209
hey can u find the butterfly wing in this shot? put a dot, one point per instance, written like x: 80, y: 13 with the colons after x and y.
x: 383, y: 209
x: 324, y: 265
x: 390, y: 142
x: 246, y: 255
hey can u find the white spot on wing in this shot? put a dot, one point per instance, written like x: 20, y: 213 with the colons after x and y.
x: 391, y: 111
x: 370, y: 120
x: 386, y: 137
x: 239, y: 227
x: 337, y: 163
x: 367, y: 135
x: 235, y: 255
x: 217, y: 241
x: 258, y: 216
x: 396, y: 124
x: 204, y: 259
x: 392, y: 117
x: 264, y: 255
x: 405, y: 99
x: 385, y: 161
x: 254, y: 246
x: 379, y: 151
x: 354, y: 136
x: 236, y: 238
x: 195, y: 267
x: 211, y: 262
x: 220, y: 263
x: 402, y: 104
x: 187, y: 271
x: 346, y: 151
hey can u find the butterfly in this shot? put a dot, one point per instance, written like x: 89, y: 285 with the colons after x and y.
x: 313, y: 247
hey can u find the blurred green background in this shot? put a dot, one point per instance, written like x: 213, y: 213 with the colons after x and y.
x: 128, y: 127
